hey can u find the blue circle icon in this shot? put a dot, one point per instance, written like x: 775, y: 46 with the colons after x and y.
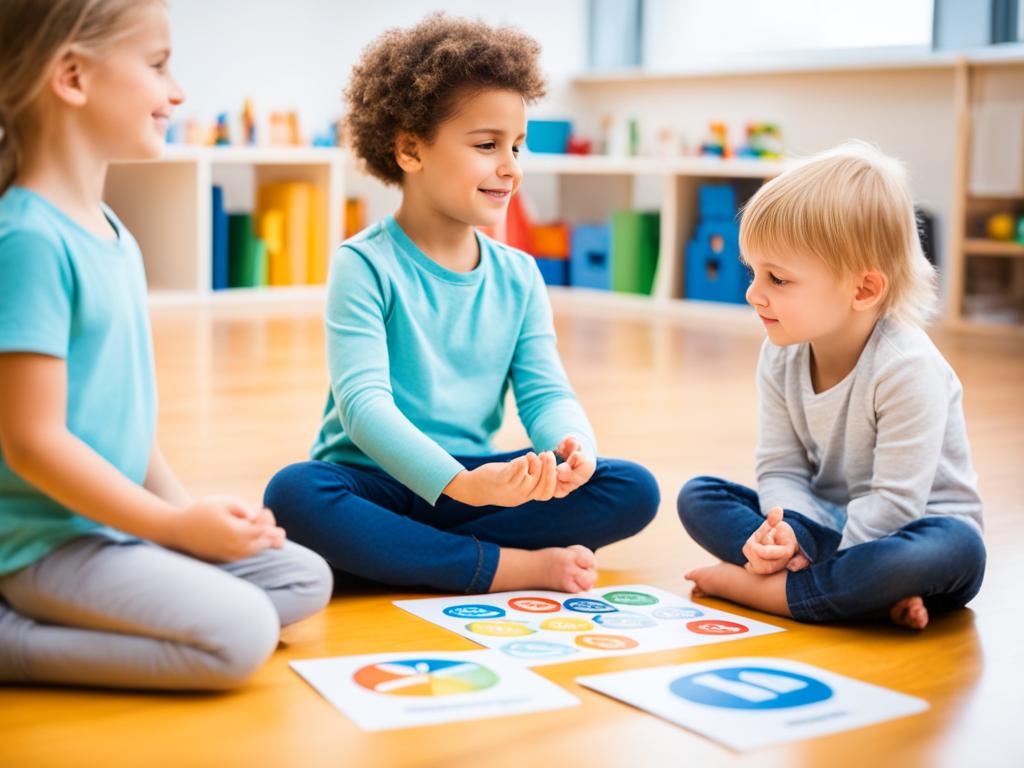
x: 536, y: 649
x: 675, y: 612
x: 586, y: 605
x: 625, y: 620
x: 750, y: 688
x: 474, y: 611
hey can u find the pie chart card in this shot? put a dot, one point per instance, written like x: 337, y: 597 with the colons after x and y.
x: 541, y: 627
x: 401, y: 690
x: 746, y: 703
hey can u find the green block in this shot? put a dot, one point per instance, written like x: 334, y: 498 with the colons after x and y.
x: 635, y: 240
x: 247, y: 254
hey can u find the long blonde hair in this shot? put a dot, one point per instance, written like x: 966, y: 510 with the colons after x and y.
x: 35, y: 35
x: 851, y: 207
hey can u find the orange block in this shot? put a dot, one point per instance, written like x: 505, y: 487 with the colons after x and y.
x: 290, y: 266
x: 550, y: 241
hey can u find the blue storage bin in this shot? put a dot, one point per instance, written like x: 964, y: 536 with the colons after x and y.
x: 548, y: 136
x: 590, y: 258
x: 713, y: 268
x: 554, y: 271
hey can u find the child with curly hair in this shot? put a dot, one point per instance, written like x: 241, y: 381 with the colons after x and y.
x: 429, y: 322
x: 867, y: 502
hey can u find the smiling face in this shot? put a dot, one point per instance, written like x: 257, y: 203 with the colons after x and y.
x: 470, y: 170
x: 129, y: 91
x: 798, y: 298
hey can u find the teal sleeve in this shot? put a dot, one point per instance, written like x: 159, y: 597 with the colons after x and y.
x: 359, y: 368
x: 35, y: 295
x: 547, y: 405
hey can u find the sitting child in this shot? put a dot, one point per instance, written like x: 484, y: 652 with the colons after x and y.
x: 866, y: 499
x: 429, y: 322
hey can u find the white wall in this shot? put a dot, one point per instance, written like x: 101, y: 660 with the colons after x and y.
x: 298, y: 54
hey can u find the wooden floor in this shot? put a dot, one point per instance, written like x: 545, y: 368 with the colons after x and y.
x: 241, y: 392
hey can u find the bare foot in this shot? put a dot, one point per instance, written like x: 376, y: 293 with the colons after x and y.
x: 909, y: 612
x: 766, y: 593
x: 563, y: 569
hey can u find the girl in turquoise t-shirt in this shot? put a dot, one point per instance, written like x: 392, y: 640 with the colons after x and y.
x: 110, y: 573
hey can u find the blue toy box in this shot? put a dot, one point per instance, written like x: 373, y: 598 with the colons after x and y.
x: 554, y: 271
x: 713, y: 269
x: 548, y: 136
x: 590, y: 259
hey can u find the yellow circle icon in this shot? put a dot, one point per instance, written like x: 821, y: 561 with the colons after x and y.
x: 499, y: 628
x: 567, y: 624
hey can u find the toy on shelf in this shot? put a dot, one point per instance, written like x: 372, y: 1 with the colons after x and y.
x: 579, y: 146
x: 355, y: 216
x: 551, y: 249
x: 548, y: 136
x: 764, y: 141
x: 634, y: 250
x: 284, y: 129
x: 717, y: 144
x: 1001, y: 226
x: 590, y: 257
x: 249, y: 123
x: 222, y: 132
x: 713, y: 269
x: 331, y: 137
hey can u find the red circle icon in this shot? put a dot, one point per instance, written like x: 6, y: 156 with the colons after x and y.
x: 716, y: 627
x: 535, y: 604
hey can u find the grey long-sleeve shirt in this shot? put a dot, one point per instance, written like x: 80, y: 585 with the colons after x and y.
x: 881, y: 448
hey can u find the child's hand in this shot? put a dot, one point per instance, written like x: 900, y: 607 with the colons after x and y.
x: 506, y: 484
x: 773, y: 547
x: 576, y: 469
x: 223, y: 529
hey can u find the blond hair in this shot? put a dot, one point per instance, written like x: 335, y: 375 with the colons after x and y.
x: 851, y: 207
x: 35, y: 35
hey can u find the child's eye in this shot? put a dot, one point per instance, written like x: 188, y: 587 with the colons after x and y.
x: 488, y: 145
x: 515, y: 149
x: 777, y: 280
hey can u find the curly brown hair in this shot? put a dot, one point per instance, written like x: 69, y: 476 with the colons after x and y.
x: 410, y: 81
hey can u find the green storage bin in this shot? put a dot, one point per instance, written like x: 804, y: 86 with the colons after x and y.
x: 247, y: 254
x: 635, y: 240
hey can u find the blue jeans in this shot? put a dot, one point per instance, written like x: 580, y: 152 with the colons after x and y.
x: 364, y: 522
x: 939, y: 558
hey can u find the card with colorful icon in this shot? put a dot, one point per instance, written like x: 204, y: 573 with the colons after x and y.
x: 381, y: 691
x: 746, y: 703
x: 541, y: 627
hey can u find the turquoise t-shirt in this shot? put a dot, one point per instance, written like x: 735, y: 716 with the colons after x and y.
x: 421, y: 358
x: 67, y: 293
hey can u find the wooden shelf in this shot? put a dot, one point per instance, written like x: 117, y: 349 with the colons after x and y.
x: 981, y: 246
x: 710, y: 167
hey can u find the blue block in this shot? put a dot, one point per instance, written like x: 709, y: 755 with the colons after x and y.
x: 548, y: 136
x: 713, y: 268
x: 219, y: 248
x: 717, y: 202
x: 554, y: 271
x: 590, y: 259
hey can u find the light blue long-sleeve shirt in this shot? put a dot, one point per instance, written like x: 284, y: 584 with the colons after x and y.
x: 420, y: 359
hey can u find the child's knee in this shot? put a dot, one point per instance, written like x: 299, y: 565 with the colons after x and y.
x: 241, y: 639
x: 691, y: 503
x: 312, y: 583
x: 641, y: 493
x: 289, y: 486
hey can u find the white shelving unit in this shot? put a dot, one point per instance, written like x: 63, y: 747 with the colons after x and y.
x: 166, y: 205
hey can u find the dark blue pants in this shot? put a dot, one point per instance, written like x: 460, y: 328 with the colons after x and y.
x: 939, y: 558
x: 364, y: 522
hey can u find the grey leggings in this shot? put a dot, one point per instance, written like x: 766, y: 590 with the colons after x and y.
x: 101, y: 612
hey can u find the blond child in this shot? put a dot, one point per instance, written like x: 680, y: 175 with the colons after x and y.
x: 866, y: 502
x: 110, y: 573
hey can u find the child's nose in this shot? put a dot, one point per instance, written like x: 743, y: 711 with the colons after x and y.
x: 755, y: 298
x: 177, y: 95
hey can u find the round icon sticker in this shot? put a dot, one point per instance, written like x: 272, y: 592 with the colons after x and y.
x: 499, y: 628
x: 630, y: 598
x: 606, y: 642
x: 625, y: 620
x: 424, y: 677
x: 750, y: 688
x: 536, y: 649
x: 567, y: 624
x: 716, y: 627
x: 670, y: 612
x: 586, y: 605
x: 534, y: 604
x: 474, y: 611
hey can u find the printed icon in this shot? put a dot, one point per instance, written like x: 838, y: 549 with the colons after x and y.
x: 630, y: 598
x: 424, y: 677
x: 474, y: 611
x: 567, y: 624
x: 670, y: 612
x: 536, y: 649
x: 500, y: 628
x: 750, y: 688
x: 606, y: 642
x: 535, y: 604
x: 716, y: 627
x: 625, y: 620
x: 587, y: 605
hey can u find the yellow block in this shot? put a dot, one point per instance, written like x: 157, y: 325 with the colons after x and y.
x: 289, y: 265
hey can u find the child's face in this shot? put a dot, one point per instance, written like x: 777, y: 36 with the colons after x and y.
x: 797, y: 297
x: 471, y: 169
x: 130, y: 93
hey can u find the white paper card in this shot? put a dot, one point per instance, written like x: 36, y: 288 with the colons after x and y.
x: 399, y: 690
x: 746, y: 703
x: 540, y: 627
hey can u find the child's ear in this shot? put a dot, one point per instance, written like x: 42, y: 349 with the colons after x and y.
x: 67, y: 80
x: 407, y: 153
x: 871, y: 289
